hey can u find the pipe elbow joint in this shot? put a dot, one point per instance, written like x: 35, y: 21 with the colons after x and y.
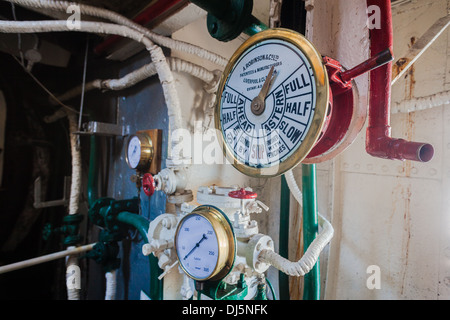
x: 379, y: 144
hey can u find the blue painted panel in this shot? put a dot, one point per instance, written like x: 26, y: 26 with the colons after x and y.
x: 141, y: 107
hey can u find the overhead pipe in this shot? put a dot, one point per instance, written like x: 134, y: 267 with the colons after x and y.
x: 138, y: 75
x: 379, y: 142
x: 227, y: 19
x: 150, y: 15
x: 121, y: 20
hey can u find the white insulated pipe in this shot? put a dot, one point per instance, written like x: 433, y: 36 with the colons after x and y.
x: 293, y: 186
x: 161, y: 66
x: 75, y: 191
x: 121, y: 20
x: 144, y: 72
x: 308, y: 260
x: 111, y: 283
x: 156, y: 53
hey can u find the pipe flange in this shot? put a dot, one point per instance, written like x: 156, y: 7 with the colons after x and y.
x: 179, y: 198
x: 256, y: 244
x: 238, y: 18
x: 94, y: 212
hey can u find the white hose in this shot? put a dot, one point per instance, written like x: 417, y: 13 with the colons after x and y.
x: 309, y: 259
x: 293, y: 187
x: 156, y: 53
x: 144, y: 72
x: 119, y: 19
x: 111, y: 281
x: 75, y: 189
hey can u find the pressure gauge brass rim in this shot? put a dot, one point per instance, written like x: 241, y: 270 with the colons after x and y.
x: 226, y: 241
x: 319, y: 77
x: 144, y: 143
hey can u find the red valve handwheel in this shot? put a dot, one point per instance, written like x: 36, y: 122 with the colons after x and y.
x: 148, y: 184
x: 242, y: 194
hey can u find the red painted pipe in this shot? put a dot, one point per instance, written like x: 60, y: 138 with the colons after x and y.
x: 378, y: 139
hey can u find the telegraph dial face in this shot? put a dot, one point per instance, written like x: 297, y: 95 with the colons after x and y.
x: 273, y: 100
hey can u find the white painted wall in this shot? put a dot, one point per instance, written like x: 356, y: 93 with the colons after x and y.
x: 387, y: 213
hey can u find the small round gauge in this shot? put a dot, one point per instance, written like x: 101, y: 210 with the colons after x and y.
x: 205, y: 244
x: 273, y: 101
x: 139, y: 151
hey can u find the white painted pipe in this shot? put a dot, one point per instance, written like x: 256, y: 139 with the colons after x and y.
x: 144, y: 72
x: 121, y: 20
x: 46, y: 258
x: 293, y: 186
x: 111, y: 283
x: 75, y: 191
x: 308, y: 260
x: 156, y: 53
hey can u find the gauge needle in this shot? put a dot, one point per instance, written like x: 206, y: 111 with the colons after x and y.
x: 195, y: 247
x: 258, y: 103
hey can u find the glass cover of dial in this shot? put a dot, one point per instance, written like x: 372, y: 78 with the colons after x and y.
x: 134, y: 152
x: 197, y: 247
x: 266, y: 140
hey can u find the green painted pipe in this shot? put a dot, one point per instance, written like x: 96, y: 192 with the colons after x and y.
x: 218, y: 8
x: 227, y: 19
x: 141, y: 224
x: 138, y: 222
x: 310, y: 229
x: 283, y: 279
x: 255, y: 27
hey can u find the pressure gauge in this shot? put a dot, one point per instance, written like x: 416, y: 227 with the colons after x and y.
x: 272, y: 103
x: 205, y: 244
x: 139, y: 151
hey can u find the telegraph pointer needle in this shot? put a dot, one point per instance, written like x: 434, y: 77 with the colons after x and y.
x: 258, y: 103
x: 195, y: 247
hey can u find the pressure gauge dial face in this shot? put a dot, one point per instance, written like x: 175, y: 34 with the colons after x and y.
x: 205, y: 244
x: 139, y: 151
x: 273, y: 100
